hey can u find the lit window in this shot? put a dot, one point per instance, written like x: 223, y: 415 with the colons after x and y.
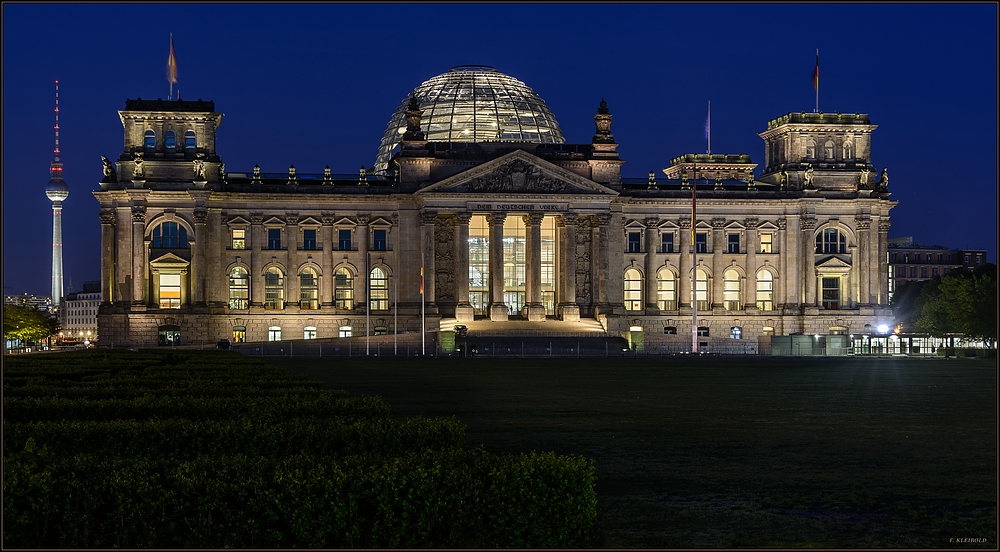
x: 734, y: 243
x: 345, y: 331
x: 766, y: 243
x: 378, y: 285
x: 828, y: 150
x: 765, y: 290
x: 701, y: 289
x: 345, y: 240
x: 701, y: 243
x: 810, y: 149
x: 667, y: 242
x: 239, y: 238
x: 170, y: 235
x: 731, y: 290
x: 169, y: 140
x: 633, y: 290
x: 633, y: 242
x: 666, y: 290
x: 274, y: 238
x: 831, y: 293
x: 239, y: 334
x: 274, y: 289
x: 309, y: 239
x: 189, y: 139
x: 309, y: 332
x: 906, y: 258
x: 378, y: 240
x: 736, y: 332
x: 848, y: 151
x: 344, y: 289
x: 274, y: 333
x: 149, y: 140
x: 308, y: 289
x: 239, y: 288
x: 831, y: 240
x: 380, y: 330
x: 170, y: 291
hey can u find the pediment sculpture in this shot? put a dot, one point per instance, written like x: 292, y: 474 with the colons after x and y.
x: 517, y: 176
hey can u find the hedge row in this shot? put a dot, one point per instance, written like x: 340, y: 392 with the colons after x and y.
x: 185, y: 439
x: 452, y: 498
x: 27, y: 409
x: 131, y: 391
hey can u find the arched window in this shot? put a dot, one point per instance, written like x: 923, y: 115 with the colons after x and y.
x: 169, y: 140
x: 848, y: 151
x: 170, y: 235
x: 189, y: 140
x: 149, y: 140
x: 828, y: 150
x: 378, y: 288
x: 765, y: 290
x: 239, y: 334
x: 344, y: 288
x: 239, y: 288
x: 731, y: 290
x: 831, y: 240
x: 633, y: 290
x: 308, y: 289
x: 810, y: 149
x: 666, y: 290
x: 274, y: 289
x: 701, y: 290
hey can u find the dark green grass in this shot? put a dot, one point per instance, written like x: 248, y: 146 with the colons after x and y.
x: 756, y: 453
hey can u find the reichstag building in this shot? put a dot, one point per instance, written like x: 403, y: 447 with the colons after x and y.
x: 476, y: 208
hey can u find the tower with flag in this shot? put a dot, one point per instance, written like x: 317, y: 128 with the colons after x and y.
x: 171, y: 68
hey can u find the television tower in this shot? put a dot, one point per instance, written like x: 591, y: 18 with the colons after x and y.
x: 57, y: 191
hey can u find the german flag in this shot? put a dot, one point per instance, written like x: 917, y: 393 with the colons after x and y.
x: 816, y: 72
x: 171, y: 63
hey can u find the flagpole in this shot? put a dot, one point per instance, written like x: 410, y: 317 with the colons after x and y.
x: 368, y: 298
x: 423, y: 314
x: 816, y: 81
x: 709, y: 127
x: 694, y: 264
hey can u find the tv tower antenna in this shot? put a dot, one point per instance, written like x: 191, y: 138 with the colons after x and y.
x: 57, y: 191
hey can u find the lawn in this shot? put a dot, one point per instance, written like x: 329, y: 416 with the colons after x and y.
x: 731, y: 453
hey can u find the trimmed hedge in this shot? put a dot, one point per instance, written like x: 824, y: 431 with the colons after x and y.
x: 452, y: 498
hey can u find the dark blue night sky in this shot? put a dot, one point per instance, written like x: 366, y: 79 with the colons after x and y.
x: 315, y: 85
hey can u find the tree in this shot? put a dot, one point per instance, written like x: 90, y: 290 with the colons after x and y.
x: 961, y: 302
x: 27, y: 324
x: 908, y: 300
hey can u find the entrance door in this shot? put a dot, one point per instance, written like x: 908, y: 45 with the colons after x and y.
x: 514, y: 301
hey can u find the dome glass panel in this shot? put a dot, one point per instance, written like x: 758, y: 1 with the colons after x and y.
x: 473, y: 103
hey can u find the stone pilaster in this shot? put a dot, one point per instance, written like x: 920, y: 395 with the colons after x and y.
x: 464, y: 311
x: 256, y: 260
x: 749, y: 291
x: 427, y: 220
x: 291, y: 258
x: 199, y: 268
x: 138, y: 257
x: 329, y: 278
x: 684, y: 296
x: 362, y: 237
x: 534, y: 307
x: 719, y: 245
x: 108, y: 252
x: 883, y: 263
x: 649, y: 246
x: 603, y: 266
x: 861, y: 261
x: 809, y: 262
x: 569, y: 311
x: 498, y: 310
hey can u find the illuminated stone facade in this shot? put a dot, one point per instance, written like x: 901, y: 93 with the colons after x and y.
x: 504, y: 230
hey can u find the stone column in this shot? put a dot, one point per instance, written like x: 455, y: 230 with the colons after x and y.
x: 463, y: 309
x: 749, y: 290
x: 809, y: 262
x: 651, y: 265
x: 361, y: 291
x: 569, y: 311
x: 256, y: 260
x: 217, y: 289
x: 860, y: 263
x: 719, y: 245
x: 603, y: 237
x: 883, y: 263
x: 686, y: 270
x: 782, y: 286
x: 199, y: 268
x: 138, y: 257
x: 498, y: 310
x: 329, y: 278
x: 291, y: 255
x: 533, y: 255
x: 107, y: 217
x: 427, y: 219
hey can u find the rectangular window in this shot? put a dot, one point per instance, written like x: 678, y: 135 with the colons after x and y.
x: 701, y: 243
x: 274, y: 238
x: 940, y: 258
x: 734, y: 243
x: 831, y: 293
x: 309, y: 239
x: 892, y: 258
x: 916, y: 257
x: 934, y: 272
x: 170, y: 291
x: 378, y: 240
x: 345, y: 240
x: 239, y: 238
x: 309, y: 332
x: 913, y: 272
x: 906, y: 258
x: 667, y: 242
x: 633, y: 242
x: 923, y: 272
x: 765, y: 242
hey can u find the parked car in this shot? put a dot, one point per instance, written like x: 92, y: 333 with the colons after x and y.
x: 223, y: 345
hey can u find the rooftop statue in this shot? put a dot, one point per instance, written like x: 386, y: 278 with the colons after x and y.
x: 110, y: 175
x: 863, y: 178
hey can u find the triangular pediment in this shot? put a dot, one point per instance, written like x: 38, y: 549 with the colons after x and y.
x: 168, y: 259
x: 767, y: 225
x: 273, y: 221
x: 634, y: 224
x: 238, y: 221
x: 380, y: 222
x: 833, y: 262
x: 310, y: 221
x: 518, y: 172
x: 669, y: 224
x: 736, y: 225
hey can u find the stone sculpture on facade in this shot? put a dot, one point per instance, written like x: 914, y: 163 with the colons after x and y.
x: 137, y: 170
x: 517, y: 176
x: 199, y: 167
x: 863, y: 178
x: 807, y: 177
x: 110, y: 175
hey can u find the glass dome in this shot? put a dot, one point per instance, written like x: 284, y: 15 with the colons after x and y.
x: 473, y: 103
